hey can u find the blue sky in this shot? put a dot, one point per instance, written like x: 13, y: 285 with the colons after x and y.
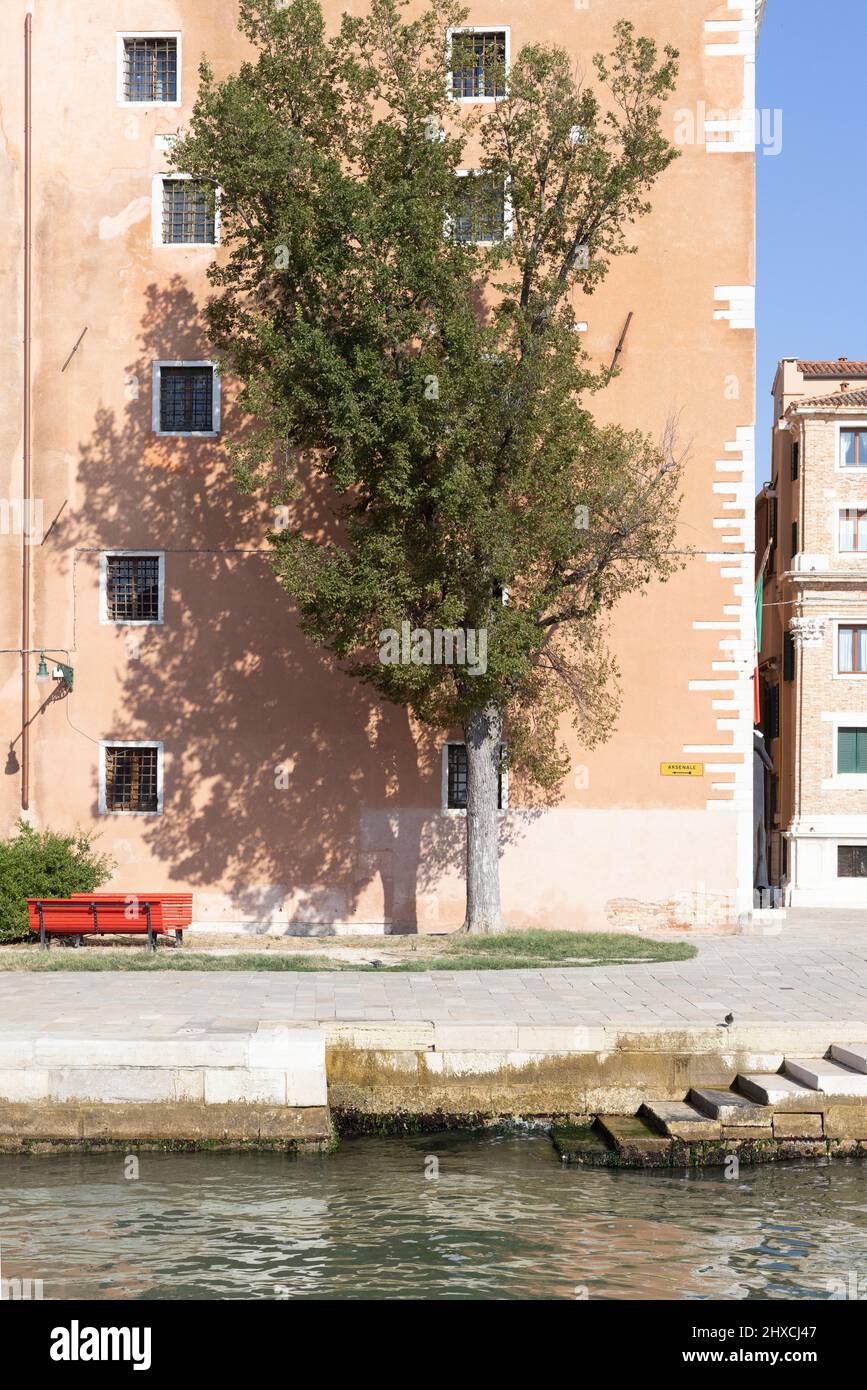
x: 812, y: 196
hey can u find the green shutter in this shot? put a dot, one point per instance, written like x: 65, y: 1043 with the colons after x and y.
x: 847, y: 750
x: 852, y: 750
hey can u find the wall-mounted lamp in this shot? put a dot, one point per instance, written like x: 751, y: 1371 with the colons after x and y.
x: 59, y: 672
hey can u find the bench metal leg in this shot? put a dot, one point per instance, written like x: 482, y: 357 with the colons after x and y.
x: 43, y: 935
x: 152, y: 941
x: 179, y: 938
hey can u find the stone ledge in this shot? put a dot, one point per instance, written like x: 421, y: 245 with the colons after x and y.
x: 182, y: 1123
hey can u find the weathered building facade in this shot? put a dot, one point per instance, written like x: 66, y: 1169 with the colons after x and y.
x: 813, y: 516
x: 209, y: 744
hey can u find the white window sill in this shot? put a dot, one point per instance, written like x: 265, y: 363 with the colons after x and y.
x: 187, y: 434
x: 132, y: 622
x: 845, y: 782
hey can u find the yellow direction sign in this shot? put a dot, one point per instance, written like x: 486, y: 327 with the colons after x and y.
x: 681, y: 769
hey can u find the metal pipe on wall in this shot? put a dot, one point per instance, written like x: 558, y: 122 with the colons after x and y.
x: 25, y: 546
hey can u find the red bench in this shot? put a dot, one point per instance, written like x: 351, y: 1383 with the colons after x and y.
x: 177, y: 907
x: 101, y: 915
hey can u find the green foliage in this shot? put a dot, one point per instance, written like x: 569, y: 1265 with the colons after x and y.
x: 44, y: 863
x: 419, y: 399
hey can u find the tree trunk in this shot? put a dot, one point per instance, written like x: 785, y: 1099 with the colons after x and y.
x: 483, y: 732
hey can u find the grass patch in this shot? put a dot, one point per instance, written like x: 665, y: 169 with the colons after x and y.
x: 529, y: 950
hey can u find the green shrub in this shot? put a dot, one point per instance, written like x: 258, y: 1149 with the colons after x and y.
x: 45, y: 864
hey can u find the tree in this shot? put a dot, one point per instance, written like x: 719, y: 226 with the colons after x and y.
x: 45, y: 864
x: 403, y: 332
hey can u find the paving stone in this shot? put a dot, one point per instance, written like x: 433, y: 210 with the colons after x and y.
x: 846, y: 1122
x: 748, y: 1132
x: 797, y: 1126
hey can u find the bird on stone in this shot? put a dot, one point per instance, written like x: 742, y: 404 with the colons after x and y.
x: 728, y: 1021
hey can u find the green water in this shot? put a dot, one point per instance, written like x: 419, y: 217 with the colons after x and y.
x: 503, y: 1219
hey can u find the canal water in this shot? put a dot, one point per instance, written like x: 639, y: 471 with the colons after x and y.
x: 430, y: 1217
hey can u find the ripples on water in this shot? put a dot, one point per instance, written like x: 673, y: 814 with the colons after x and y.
x: 504, y: 1219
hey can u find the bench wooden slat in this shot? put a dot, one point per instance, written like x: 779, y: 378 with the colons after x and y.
x: 103, y: 914
x: 177, y: 907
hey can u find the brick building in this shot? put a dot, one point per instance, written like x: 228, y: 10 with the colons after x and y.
x: 813, y: 515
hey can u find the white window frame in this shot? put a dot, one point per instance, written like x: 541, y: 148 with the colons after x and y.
x: 126, y: 743
x: 839, y: 466
x: 122, y: 35
x: 157, y: 216
x: 156, y: 384
x: 836, y: 624
x: 507, y: 208
x: 477, y: 29
x: 844, y: 781
x: 448, y: 810
x: 160, y: 555
x: 839, y: 509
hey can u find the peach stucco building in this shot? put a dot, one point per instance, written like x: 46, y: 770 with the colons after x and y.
x: 276, y: 789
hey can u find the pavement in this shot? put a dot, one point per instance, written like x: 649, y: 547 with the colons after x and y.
x: 815, y: 971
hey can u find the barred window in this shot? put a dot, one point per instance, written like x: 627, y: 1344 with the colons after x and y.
x: 131, y: 776
x: 480, y: 214
x: 186, y: 399
x: 150, y: 69
x: 852, y: 861
x: 456, y: 798
x: 133, y: 588
x: 478, y: 60
x: 188, y: 213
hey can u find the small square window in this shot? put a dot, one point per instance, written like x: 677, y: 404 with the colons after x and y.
x: 853, y: 530
x: 188, y: 213
x: 479, y: 60
x: 480, y: 215
x: 150, y: 69
x: 852, y: 861
x: 456, y: 777
x: 131, y: 778
x: 186, y: 398
x: 133, y: 588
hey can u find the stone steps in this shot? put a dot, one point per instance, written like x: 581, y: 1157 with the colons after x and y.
x: 854, y: 1057
x: 810, y: 1098
x: 828, y: 1076
x: 680, y: 1120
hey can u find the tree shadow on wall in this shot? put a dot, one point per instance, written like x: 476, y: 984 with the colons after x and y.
x: 283, y: 776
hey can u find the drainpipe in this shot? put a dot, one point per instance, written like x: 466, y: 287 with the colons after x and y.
x: 25, y: 501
